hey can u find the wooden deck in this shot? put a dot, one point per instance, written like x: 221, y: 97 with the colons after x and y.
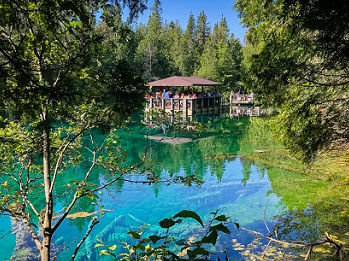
x: 239, y: 98
x: 236, y: 111
x: 187, y: 107
x: 207, y: 105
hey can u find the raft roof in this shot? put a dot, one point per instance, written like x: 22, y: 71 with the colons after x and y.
x: 182, y: 81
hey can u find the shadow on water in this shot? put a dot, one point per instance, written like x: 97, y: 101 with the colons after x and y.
x: 227, y: 157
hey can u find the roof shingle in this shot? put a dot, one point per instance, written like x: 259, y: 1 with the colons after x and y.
x: 182, y: 81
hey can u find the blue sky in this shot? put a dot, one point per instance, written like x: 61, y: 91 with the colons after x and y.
x: 173, y: 10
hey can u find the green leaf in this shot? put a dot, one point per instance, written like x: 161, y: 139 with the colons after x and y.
x: 198, y: 251
x: 237, y: 225
x: 134, y: 234
x: 145, y: 240
x: 155, y: 238
x: 189, y: 214
x: 75, y: 182
x: 91, y: 196
x: 106, y: 253
x: 113, y: 247
x: 98, y: 245
x: 221, y: 218
x: 167, y: 223
x: 147, y: 248
x: 141, y: 247
x: 211, y: 238
x: 220, y: 227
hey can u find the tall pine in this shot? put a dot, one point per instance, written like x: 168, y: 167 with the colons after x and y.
x: 221, y: 57
x: 203, y: 32
x: 173, y: 46
x: 188, y: 48
x: 151, y: 51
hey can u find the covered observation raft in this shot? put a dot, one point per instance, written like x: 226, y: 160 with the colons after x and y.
x: 193, y: 102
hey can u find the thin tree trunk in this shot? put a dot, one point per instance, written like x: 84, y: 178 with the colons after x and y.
x: 47, y: 219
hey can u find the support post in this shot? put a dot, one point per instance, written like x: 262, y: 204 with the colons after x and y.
x: 172, y: 107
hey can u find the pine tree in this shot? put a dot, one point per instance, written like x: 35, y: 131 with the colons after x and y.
x: 119, y: 40
x: 203, y: 32
x: 228, y: 57
x: 221, y: 58
x: 173, y: 41
x: 208, y: 60
x: 188, y: 48
x: 151, y: 51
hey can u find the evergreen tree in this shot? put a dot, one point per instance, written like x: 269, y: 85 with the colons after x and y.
x: 208, y: 60
x: 203, y: 32
x: 297, y: 60
x: 118, y: 37
x: 221, y: 57
x: 151, y: 51
x: 173, y: 41
x: 229, y: 56
x: 188, y: 48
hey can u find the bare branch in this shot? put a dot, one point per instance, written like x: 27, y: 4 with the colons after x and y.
x: 339, y: 246
x: 119, y: 177
x: 61, y: 155
x: 94, y: 222
x: 94, y: 163
x: 32, y: 206
x: 32, y: 232
x: 75, y: 198
x: 265, y: 212
x: 72, y: 203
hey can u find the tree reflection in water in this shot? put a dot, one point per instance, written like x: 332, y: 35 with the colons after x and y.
x: 238, y: 145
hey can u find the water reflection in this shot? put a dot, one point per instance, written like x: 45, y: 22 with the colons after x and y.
x: 236, y: 180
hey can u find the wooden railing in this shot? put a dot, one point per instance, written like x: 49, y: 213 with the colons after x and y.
x: 184, y: 105
x: 238, y: 98
x: 236, y: 111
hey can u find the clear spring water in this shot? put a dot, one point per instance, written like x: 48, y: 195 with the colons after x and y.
x: 246, y: 190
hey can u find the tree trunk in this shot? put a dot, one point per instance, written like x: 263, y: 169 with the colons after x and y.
x: 47, y: 219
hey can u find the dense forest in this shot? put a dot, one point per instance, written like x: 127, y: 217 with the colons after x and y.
x: 294, y: 64
x: 158, y: 50
x: 296, y: 60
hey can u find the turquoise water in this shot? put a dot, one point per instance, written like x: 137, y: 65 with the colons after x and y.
x: 239, y: 187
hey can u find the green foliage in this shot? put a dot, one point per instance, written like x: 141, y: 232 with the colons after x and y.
x: 189, y: 48
x: 151, y: 50
x: 189, y: 214
x: 165, y: 247
x: 59, y: 81
x: 296, y: 60
x: 167, y: 50
x: 221, y: 58
x: 203, y: 32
